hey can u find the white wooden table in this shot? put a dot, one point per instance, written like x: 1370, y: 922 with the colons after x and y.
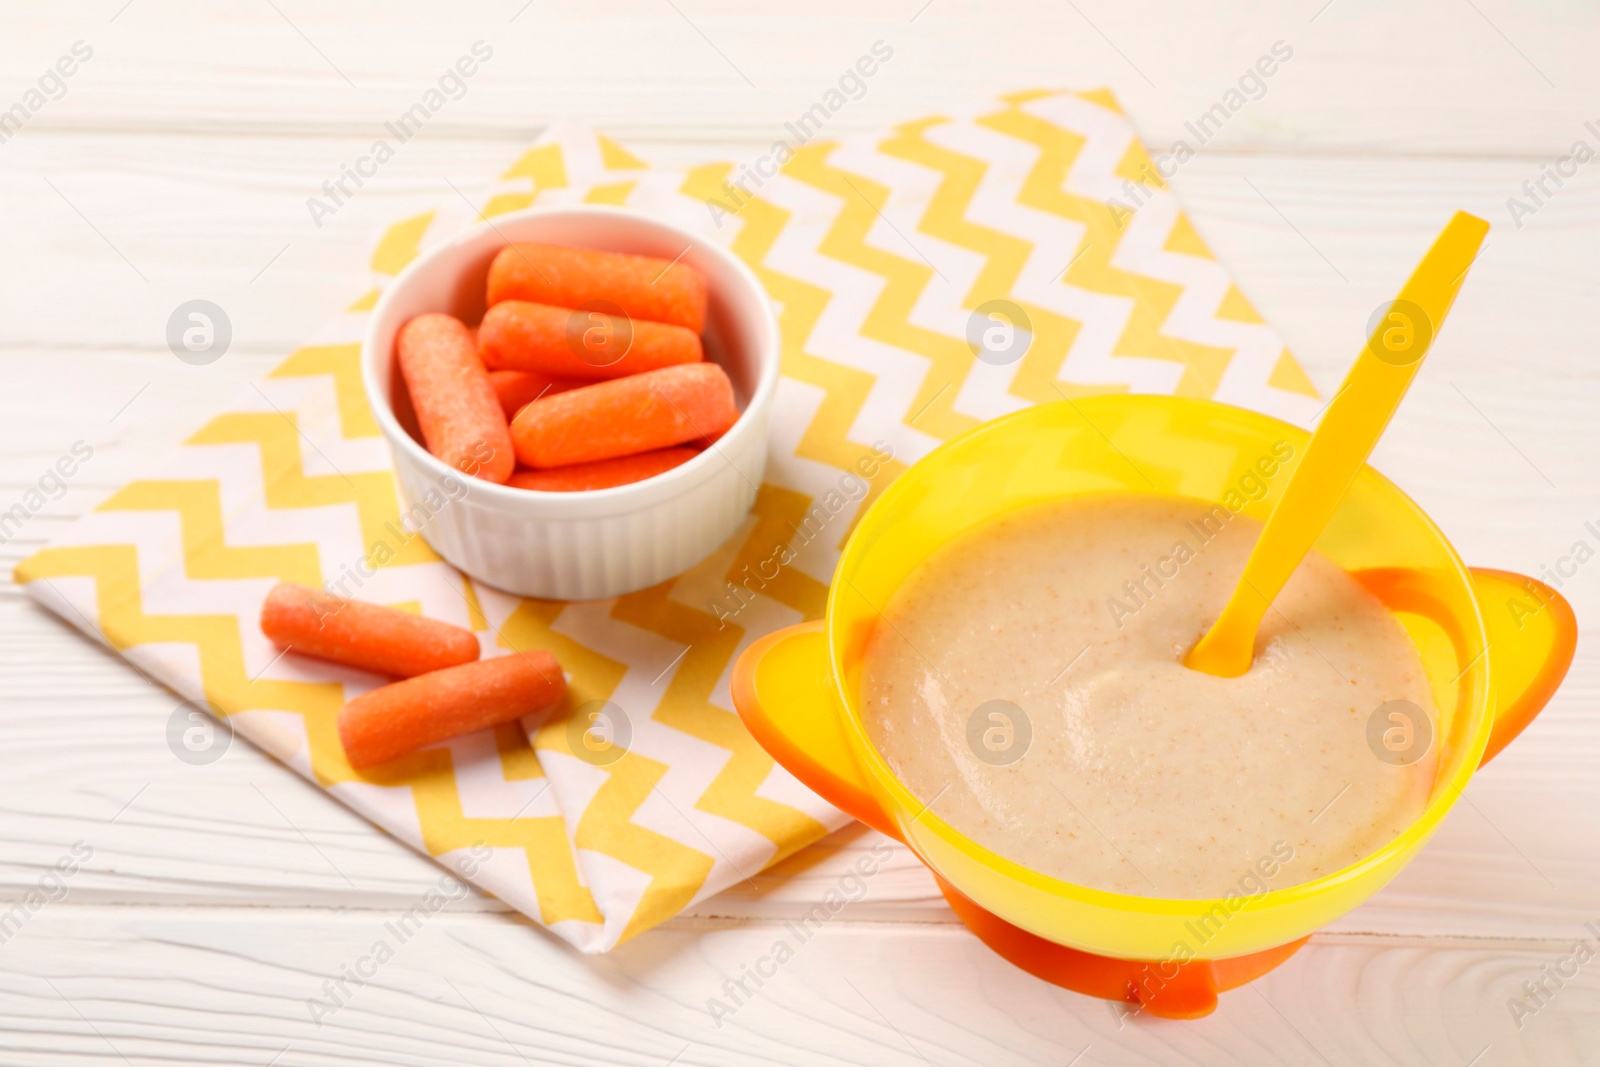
x: 220, y: 898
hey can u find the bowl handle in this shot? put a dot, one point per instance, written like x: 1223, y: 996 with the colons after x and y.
x: 1532, y: 635
x: 783, y: 689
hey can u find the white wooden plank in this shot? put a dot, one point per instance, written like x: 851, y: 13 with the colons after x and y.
x: 205, y: 216
x: 1419, y: 78
x: 83, y: 984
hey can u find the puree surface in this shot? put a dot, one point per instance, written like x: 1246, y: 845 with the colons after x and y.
x: 1141, y: 776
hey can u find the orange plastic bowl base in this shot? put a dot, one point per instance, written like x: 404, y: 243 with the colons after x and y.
x: 1164, y: 988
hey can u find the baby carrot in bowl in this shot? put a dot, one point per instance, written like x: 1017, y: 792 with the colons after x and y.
x: 456, y: 406
x: 358, y: 634
x: 385, y: 723
x: 643, y: 287
x: 518, y: 335
x: 641, y: 413
x: 604, y: 474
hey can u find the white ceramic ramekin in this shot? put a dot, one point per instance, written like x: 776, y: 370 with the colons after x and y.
x: 605, y: 542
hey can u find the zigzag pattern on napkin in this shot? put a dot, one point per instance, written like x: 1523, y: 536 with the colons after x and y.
x: 875, y: 250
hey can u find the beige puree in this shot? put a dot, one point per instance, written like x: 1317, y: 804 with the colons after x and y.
x: 1141, y: 776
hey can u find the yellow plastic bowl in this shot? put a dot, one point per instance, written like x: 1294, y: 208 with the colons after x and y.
x: 1492, y: 665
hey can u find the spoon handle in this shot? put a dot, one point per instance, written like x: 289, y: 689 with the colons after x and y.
x: 1355, y: 419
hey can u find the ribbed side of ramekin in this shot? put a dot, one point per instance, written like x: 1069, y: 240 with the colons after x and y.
x: 529, y: 548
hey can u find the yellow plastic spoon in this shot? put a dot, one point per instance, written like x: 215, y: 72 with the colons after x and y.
x: 1356, y: 418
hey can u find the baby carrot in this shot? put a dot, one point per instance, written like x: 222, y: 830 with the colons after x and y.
x: 603, y: 474
x: 656, y: 409
x: 644, y: 287
x: 358, y: 634
x: 379, y: 725
x: 456, y: 406
x: 518, y: 335
x: 517, y: 387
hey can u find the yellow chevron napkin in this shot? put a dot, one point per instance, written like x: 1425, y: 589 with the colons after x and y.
x: 927, y: 279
